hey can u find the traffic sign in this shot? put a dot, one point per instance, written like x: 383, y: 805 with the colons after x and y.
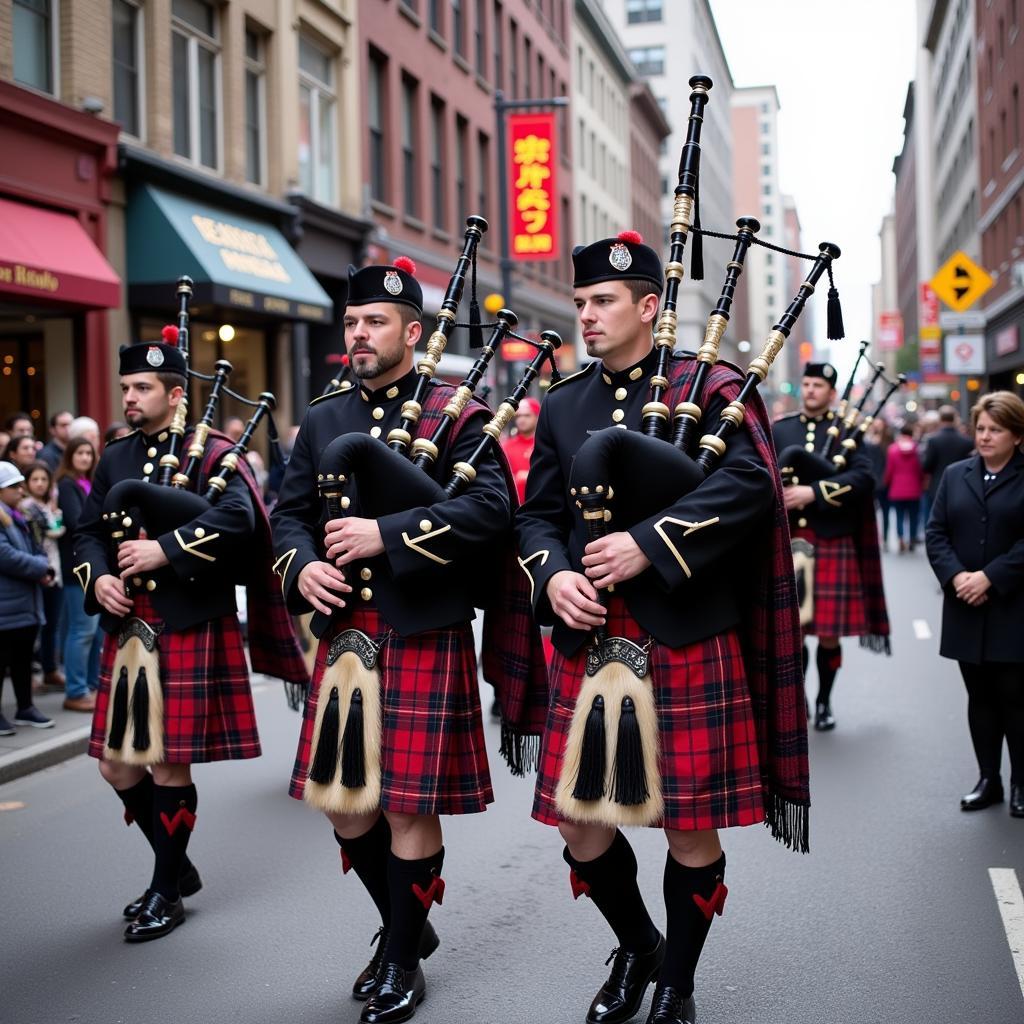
x: 960, y: 282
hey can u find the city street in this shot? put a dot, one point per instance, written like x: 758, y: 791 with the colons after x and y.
x: 892, y: 917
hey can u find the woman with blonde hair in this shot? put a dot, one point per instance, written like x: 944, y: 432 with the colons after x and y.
x: 975, y: 541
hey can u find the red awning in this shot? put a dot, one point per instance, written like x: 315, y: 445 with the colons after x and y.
x: 48, y: 257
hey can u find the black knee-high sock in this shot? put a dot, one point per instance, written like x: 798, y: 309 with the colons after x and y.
x: 610, y: 881
x: 174, y: 817
x: 692, y: 898
x: 138, y: 810
x: 368, y: 856
x: 828, y: 660
x: 413, y: 886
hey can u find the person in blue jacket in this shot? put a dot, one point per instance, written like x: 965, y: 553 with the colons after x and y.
x: 24, y: 571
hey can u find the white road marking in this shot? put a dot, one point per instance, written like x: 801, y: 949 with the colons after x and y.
x: 922, y: 631
x: 1011, y: 908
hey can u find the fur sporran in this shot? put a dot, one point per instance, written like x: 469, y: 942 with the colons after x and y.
x: 135, y: 712
x: 803, y: 567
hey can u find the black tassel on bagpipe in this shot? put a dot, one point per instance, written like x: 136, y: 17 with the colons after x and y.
x: 834, y: 319
x: 325, y: 759
x: 697, y: 245
x: 629, y: 787
x: 140, y: 710
x: 119, y: 715
x: 590, y: 780
x: 353, y: 748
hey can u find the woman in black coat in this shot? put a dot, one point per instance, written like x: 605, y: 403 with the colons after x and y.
x: 975, y: 542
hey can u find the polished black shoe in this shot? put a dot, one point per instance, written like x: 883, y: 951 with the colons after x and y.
x: 621, y: 995
x: 823, y: 717
x: 367, y: 982
x: 189, y: 883
x: 157, y: 918
x: 670, y: 1007
x: 397, y: 996
x: 986, y: 793
x: 1016, y: 800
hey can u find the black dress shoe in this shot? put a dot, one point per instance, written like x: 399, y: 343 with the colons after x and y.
x: 367, y: 982
x: 670, y: 1007
x: 823, y: 717
x: 397, y: 996
x: 1016, y: 800
x: 621, y: 995
x: 189, y: 883
x: 986, y: 793
x: 157, y: 918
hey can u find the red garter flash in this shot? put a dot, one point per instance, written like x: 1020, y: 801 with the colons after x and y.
x: 579, y: 887
x: 715, y: 905
x: 183, y: 814
x: 434, y: 893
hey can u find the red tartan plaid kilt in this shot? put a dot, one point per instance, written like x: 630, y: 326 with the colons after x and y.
x: 709, y: 766
x: 433, y: 757
x: 839, y: 605
x: 208, y: 711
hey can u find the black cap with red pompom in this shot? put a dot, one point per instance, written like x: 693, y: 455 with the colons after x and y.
x: 623, y: 258
x: 154, y: 356
x: 394, y: 283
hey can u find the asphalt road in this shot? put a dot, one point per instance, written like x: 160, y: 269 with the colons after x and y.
x: 891, y: 918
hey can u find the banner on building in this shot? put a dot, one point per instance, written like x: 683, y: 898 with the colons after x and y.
x: 890, y: 331
x: 532, y: 157
x: 929, y: 333
x: 965, y: 354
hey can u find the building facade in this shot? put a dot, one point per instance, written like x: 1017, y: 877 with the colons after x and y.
x: 905, y: 220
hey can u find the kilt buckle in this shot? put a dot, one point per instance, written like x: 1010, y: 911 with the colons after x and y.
x: 358, y: 643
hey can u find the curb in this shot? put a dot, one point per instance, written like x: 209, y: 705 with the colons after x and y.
x: 44, y: 754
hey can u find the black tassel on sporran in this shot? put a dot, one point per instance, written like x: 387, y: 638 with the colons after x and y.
x: 119, y: 713
x: 353, y: 752
x: 590, y: 780
x: 140, y: 711
x: 630, y: 784
x: 325, y: 759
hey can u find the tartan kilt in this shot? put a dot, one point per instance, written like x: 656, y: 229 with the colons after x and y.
x: 710, y: 772
x: 208, y: 710
x: 433, y: 757
x: 839, y: 605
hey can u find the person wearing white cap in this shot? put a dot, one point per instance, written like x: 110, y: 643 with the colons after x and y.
x: 24, y: 570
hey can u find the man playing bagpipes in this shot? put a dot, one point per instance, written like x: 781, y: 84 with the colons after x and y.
x: 712, y: 737
x: 392, y: 736
x: 174, y: 683
x: 835, y: 538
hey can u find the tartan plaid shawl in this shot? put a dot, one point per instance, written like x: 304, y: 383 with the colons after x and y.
x: 866, y: 540
x: 273, y: 648
x: 512, y: 658
x: 770, y: 630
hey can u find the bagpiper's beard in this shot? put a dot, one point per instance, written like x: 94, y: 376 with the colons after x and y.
x: 385, y: 361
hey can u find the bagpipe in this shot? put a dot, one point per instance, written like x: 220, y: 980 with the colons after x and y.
x: 135, y: 715
x: 393, y: 476
x: 610, y: 771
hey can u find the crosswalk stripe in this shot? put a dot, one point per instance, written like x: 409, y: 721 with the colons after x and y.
x: 1011, y: 909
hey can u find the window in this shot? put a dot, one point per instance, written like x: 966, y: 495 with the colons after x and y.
x: 410, y: 130
x: 376, y: 115
x: 766, y: 170
x: 766, y: 190
x: 317, y: 106
x: 480, y: 38
x: 527, y: 67
x: 411, y: 5
x: 195, y: 71
x: 499, y: 34
x: 513, y: 70
x: 127, y: 53
x: 437, y: 153
x: 34, y: 24
x: 434, y: 15
x: 459, y: 27
x: 461, y: 169
x: 643, y: 10
x: 483, y: 175
x: 766, y: 148
x: 255, y: 107
x: 648, y: 60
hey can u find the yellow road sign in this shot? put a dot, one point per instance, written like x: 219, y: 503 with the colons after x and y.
x: 960, y: 282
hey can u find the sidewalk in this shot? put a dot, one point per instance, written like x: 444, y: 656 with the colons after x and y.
x: 33, y: 749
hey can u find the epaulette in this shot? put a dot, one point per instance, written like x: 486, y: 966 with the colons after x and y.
x: 573, y: 376
x: 346, y: 386
x: 117, y: 440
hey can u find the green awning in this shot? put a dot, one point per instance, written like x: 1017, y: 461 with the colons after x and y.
x: 235, y: 261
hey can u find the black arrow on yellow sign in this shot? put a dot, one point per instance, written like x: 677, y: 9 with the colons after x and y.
x: 962, y: 290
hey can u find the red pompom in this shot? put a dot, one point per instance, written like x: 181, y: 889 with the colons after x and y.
x: 631, y: 236
x: 344, y: 359
x: 170, y: 334
x: 406, y: 264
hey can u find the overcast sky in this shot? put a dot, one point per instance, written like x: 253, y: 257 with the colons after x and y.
x: 841, y: 69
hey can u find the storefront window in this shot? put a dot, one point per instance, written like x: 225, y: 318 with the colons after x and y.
x: 316, y: 122
x: 196, y: 63
x: 35, y: 43
x: 127, y: 22
x: 22, y: 378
